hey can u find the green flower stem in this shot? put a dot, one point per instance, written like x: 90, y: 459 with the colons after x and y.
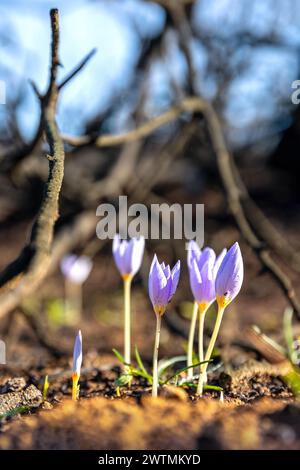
x: 127, y: 322
x: 210, y: 349
x: 190, y: 372
x: 155, y: 356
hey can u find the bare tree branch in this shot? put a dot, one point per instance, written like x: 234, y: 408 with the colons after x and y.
x: 37, y: 252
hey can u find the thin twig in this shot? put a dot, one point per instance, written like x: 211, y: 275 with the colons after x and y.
x: 77, y: 69
x: 177, y: 12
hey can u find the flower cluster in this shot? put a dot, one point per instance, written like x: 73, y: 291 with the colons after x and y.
x: 212, y: 278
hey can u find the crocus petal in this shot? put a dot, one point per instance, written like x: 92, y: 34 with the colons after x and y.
x: 137, y: 254
x: 175, y: 274
x: 218, y: 262
x: 208, y: 292
x: 166, y: 270
x: 231, y: 273
x: 117, y: 252
x: 193, y: 252
x: 155, y: 260
x: 158, y: 284
x: 207, y: 255
x: 162, y: 284
x: 202, y: 281
x: 195, y: 281
x: 77, y: 354
x: 128, y: 247
x: 128, y: 255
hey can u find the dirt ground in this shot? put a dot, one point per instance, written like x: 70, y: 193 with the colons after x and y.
x: 258, y: 412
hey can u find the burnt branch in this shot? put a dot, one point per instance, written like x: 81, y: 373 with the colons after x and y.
x: 27, y: 271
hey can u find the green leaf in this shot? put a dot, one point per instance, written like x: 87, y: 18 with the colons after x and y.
x: 216, y: 388
x: 165, y: 364
x: 183, y: 370
x: 15, y: 411
x: 139, y: 373
x: 140, y: 362
x: 123, y: 380
x: 45, y: 388
x: 292, y: 379
x: 120, y: 357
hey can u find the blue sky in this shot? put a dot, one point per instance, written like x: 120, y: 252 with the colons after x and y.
x: 115, y: 28
x: 84, y: 25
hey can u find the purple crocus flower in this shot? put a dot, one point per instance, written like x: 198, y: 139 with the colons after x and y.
x: 202, y: 280
x: 128, y: 255
x: 162, y: 284
x: 76, y: 268
x: 203, y: 267
x: 77, y: 355
x: 230, y: 276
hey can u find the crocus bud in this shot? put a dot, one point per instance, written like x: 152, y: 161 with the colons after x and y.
x: 230, y: 276
x: 76, y: 268
x: 77, y: 355
x: 128, y: 255
x: 218, y: 261
x: 202, y: 279
x: 163, y: 283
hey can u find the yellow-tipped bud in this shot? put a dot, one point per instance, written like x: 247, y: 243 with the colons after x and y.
x: 75, y: 386
x: 223, y: 301
x: 159, y: 309
x: 203, y: 306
